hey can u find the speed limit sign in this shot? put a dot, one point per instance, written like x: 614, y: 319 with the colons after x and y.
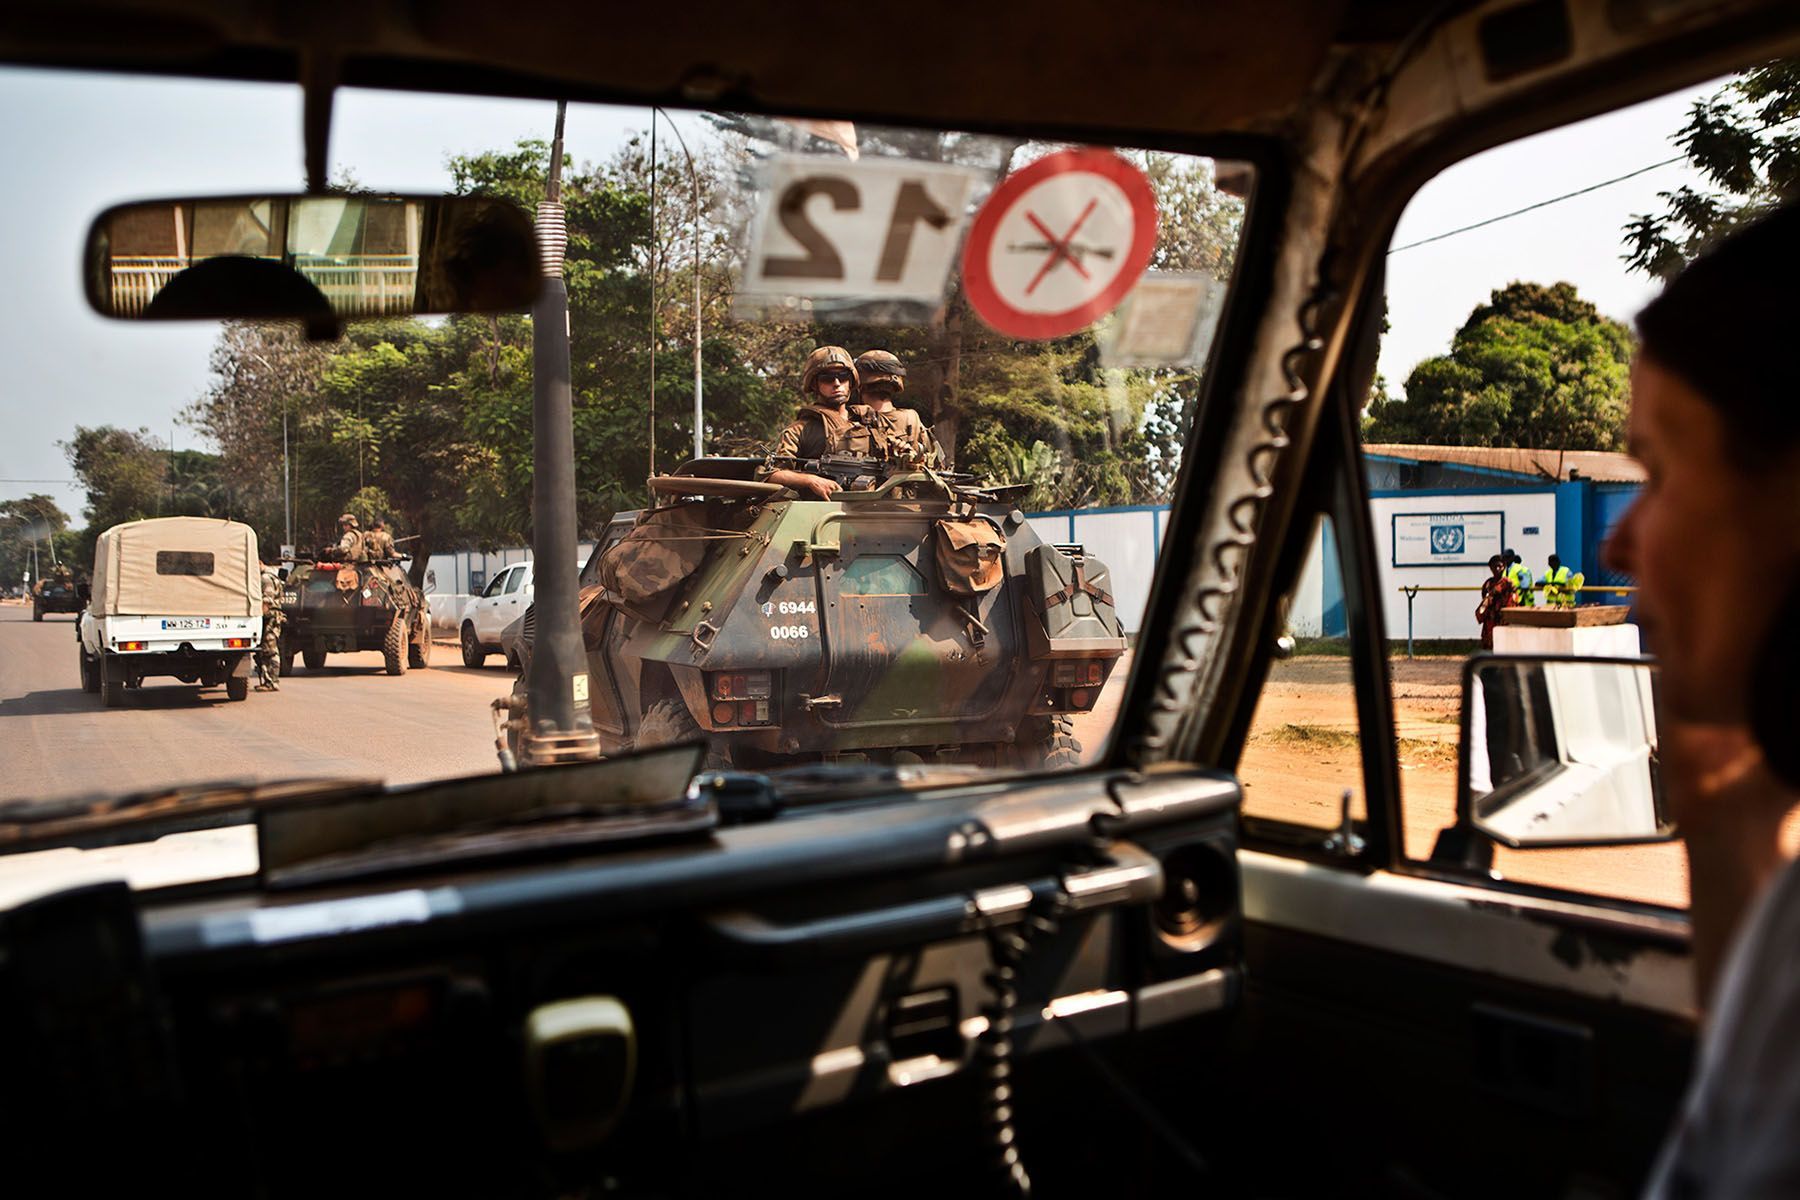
x: 1059, y: 243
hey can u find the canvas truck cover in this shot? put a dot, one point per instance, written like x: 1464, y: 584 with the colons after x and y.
x: 178, y: 567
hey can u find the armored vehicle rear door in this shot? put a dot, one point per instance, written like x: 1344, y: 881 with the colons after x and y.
x: 899, y: 650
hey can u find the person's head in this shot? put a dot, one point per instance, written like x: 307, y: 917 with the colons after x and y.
x: 1510, y: 556
x: 882, y: 376
x: 829, y: 376
x: 1712, y: 540
x: 379, y: 524
x: 347, y: 521
x: 1555, y: 562
x: 1497, y: 564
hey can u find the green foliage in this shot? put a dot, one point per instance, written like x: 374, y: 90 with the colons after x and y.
x: 431, y: 423
x: 1743, y: 141
x: 1535, y: 367
x: 28, y: 521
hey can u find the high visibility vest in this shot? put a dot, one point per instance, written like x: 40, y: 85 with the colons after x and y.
x: 1556, y: 586
x: 1520, y: 574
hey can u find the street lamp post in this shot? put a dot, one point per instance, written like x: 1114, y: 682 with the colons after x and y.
x: 694, y: 182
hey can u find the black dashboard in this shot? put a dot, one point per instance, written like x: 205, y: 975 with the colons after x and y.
x: 693, y: 1017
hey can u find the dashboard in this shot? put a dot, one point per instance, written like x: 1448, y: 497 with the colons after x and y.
x: 658, y: 1020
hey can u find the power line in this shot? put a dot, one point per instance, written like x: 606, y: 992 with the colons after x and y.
x: 64, y: 482
x: 1506, y: 216
x: 1594, y: 187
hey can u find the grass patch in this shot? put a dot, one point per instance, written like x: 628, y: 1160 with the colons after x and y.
x: 1318, y: 737
x: 1312, y: 735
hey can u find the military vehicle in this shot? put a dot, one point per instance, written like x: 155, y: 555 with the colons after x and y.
x: 338, y: 607
x: 913, y: 617
x: 55, y: 594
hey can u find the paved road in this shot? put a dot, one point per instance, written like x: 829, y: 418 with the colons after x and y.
x: 350, y: 719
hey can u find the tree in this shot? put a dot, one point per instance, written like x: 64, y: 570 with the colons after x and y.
x: 26, y: 523
x: 1743, y: 141
x: 1535, y: 367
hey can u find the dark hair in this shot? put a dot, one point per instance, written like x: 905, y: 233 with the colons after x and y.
x: 1723, y: 327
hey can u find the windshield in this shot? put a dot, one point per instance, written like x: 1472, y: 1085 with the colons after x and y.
x: 876, y: 432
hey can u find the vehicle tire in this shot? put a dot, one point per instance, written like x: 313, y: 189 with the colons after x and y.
x: 474, y: 653
x: 314, y: 659
x: 237, y: 687
x: 112, y: 686
x: 393, y: 646
x: 37, y: 614
x: 669, y: 723
x: 1056, y: 746
x: 418, y: 650
x: 90, y: 673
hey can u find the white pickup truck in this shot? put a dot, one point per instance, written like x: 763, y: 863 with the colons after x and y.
x: 176, y: 596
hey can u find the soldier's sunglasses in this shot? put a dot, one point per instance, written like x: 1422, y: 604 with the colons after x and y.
x: 834, y: 376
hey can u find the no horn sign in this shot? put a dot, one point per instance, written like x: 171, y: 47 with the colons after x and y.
x: 1059, y: 243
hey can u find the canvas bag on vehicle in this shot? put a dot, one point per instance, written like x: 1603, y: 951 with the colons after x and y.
x: 969, y: 552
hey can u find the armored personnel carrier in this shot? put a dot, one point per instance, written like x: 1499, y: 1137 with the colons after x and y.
x: 338, y: 607
x: 912, y: 617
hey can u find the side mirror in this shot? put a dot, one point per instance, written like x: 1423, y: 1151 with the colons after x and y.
x: 314, y: 258
x: 1560, y: 752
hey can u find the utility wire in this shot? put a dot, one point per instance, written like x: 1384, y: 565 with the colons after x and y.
x: 1506, y: 216
x: 1593, y: 187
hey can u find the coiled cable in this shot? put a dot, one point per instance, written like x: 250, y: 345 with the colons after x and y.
x: 1008, y: 947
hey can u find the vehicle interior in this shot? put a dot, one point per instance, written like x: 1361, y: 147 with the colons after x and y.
x: 1105, y: 980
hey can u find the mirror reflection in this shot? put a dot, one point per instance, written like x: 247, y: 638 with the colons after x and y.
x: 311, y: 257
x: 1562, y: 751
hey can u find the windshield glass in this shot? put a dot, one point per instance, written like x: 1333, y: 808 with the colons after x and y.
x: 876, y: 431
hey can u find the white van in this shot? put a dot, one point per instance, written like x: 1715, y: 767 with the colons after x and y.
x: 179, y: 596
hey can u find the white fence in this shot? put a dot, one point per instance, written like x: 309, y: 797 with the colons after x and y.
x: 1129, y: 541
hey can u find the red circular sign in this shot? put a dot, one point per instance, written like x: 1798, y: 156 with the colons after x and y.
x: 1059, y: 243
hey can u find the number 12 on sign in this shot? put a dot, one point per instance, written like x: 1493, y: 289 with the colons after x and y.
x: 880, y: 229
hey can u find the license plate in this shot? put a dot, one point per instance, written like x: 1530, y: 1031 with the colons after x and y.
x: 187, y: 623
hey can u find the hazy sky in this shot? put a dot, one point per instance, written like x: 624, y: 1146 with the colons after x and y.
x: 76, y: 143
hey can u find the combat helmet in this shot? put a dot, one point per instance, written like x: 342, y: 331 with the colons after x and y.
x: 348, y: 519
x: 879, y: 364
x: 821, y: 359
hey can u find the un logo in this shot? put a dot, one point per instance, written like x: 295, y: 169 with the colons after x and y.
x: 1447, y: 539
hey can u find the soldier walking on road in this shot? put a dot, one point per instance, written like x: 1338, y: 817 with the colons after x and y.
x: 268, y: 651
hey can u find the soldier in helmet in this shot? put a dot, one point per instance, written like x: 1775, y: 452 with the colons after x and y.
x: 825, y: 424
x: 350, y: 539
x: 268, y: 651
x: 378, y: 542
x: 899, y: 431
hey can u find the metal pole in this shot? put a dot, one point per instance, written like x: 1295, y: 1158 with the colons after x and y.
x: 1410, y: 593
x: 287, y: 506
x: 561, y: 726
x: 653, y: 291
x: 694, y: 182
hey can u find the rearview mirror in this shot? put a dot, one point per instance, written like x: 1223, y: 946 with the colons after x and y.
x: 1561, y: 752
x: 314, y: 258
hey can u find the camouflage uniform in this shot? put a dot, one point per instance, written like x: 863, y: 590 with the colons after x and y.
x: 268, y: 651
x: 820, y: 428
x: 378, y: 543
x: 350, y: 545
x: 899, y: 433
